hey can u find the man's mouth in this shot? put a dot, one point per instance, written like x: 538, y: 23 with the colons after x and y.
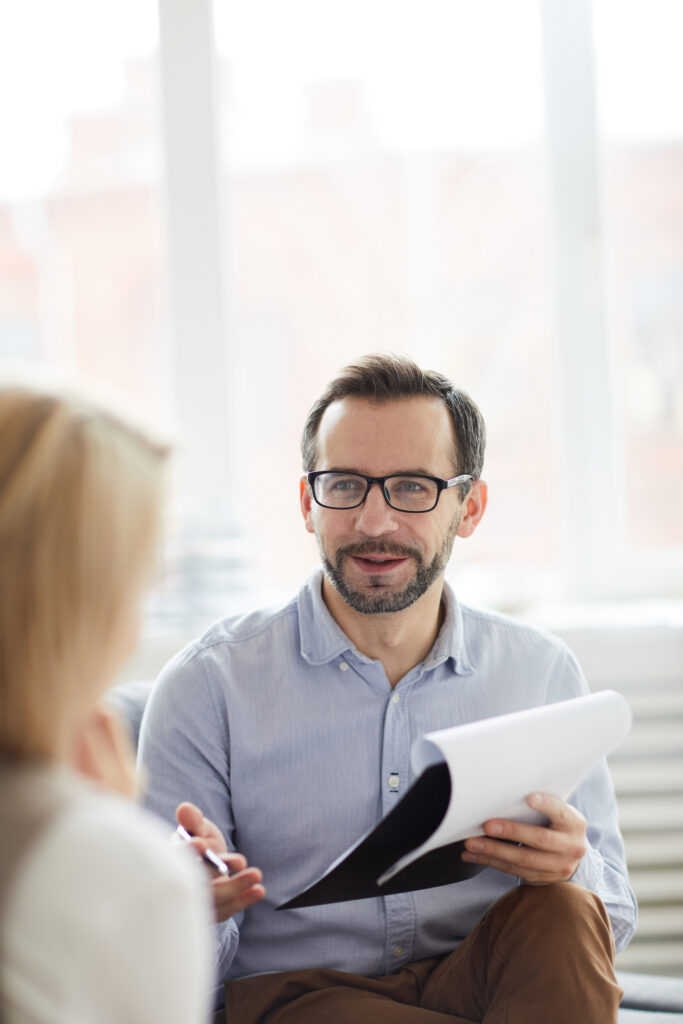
x: 376, y: 563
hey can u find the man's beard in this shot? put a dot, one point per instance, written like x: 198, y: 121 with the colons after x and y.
x: 381, y: 602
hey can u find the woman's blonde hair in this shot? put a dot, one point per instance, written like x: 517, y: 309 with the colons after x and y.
x: 80, y: 503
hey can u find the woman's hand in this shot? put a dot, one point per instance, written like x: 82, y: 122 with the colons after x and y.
x: 103, y: 752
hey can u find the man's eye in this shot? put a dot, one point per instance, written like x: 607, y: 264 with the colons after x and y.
x: 345, y: 485
x: 409, y: 486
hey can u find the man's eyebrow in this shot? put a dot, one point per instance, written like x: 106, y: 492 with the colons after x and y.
x: 394, y: 472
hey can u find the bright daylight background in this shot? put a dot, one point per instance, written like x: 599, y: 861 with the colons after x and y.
x: 213, y: 208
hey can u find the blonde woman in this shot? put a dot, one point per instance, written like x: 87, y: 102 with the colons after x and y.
x: 101, y: 919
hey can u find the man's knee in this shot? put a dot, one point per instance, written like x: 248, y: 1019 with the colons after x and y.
x: 562, y: 897
x: 548, y: 946
x: 564, y: 902
x: 564, y: 910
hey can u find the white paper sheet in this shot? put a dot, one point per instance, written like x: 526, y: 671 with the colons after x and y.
x: 497, y: 762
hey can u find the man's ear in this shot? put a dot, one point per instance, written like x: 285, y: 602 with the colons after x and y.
x: 473, y: 508
x: 306, y: 503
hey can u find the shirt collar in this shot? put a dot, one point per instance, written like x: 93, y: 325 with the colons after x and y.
x: 322, y: 639
x: 450, y: 643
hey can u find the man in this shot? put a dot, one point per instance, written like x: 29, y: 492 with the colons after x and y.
x: 291, y: 730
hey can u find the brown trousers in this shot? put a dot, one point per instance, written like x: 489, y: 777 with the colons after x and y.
x: 539, y: 954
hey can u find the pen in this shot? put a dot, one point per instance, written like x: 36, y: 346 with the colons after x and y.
x: 208, y: 855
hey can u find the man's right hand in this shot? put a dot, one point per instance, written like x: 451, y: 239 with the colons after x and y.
x: 241, y: 888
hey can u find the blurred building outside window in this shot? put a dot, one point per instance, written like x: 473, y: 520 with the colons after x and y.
x: 80, y: 217
x: 640, y: 82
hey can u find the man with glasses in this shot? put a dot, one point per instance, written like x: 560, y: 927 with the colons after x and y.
x: 291, y: 730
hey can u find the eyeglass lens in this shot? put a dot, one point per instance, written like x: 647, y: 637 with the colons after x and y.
x: 405, y: 493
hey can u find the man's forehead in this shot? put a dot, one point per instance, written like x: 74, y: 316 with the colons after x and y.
x: 414, y: 424
x: 353, y: 407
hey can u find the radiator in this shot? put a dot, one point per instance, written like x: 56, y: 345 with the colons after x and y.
x: 645, y: 663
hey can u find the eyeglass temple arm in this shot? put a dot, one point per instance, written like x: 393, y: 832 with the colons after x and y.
x: 459, y: 479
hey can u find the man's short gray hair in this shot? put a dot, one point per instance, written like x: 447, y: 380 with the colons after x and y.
x: 382, y: 377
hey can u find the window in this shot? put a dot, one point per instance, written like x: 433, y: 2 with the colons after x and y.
x: 80, y: 219
x: 640, y: 82
x: 386, y: 193
x: 424, y: 181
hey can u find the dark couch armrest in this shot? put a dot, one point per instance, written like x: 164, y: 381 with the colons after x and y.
x: 129, y: 700
x: 651, y: 992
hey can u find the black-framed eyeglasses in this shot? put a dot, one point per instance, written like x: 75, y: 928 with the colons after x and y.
x: 402, y: 491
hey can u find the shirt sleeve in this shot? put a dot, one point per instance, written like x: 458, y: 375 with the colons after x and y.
x: 184, y: 754
x: 603, y: 868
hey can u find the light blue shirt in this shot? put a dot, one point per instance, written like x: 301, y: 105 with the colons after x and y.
x: 295, y: 744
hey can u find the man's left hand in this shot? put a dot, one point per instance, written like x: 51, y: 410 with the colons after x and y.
x: 545, y: 854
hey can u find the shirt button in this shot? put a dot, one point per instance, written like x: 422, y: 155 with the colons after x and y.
x: 343, y: 666
x: 395, y: 699
x: 398, y: 950
x: 393, y: 781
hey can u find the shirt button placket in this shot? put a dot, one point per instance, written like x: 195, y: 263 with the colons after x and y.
x: 399, y: 908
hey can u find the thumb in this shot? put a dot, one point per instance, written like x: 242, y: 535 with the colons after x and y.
x: 191, y: 818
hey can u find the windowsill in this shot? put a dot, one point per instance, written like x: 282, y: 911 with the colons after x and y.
x: 609, y: 615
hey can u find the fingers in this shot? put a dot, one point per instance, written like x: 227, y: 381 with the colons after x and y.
x: 236, y: 893
x: 236, y: 861
x: 530, y: 864
x: 532, y: 852
x: 551, y: 838
x: 191, y: 818
x: 562, y: 815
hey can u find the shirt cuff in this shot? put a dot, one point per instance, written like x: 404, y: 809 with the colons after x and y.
x: 589, y: 872
x: 227, y: 939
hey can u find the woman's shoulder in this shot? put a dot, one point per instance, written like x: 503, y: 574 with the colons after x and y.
x: 50, y: 807
x: 98, y: 889
x: 105, y: 858
x: 103, y: 836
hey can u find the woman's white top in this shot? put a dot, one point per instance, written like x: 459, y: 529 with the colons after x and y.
x: 104, y: 921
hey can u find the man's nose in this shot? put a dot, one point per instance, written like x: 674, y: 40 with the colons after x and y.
x: 375, y: 516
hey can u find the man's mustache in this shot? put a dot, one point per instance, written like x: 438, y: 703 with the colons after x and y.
x: 378, y: 548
